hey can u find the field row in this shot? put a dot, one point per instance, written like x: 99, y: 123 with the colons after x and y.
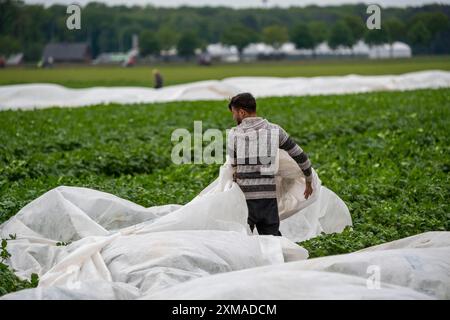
x: 89, y: 76
x: 385, y: 154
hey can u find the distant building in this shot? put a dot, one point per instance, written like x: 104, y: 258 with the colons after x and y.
x: 67, y: 52
x: 220, y: 52
x: 396, y: 50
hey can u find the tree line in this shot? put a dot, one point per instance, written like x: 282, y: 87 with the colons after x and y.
x: 27, y: 28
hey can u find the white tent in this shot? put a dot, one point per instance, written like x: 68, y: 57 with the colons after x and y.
x: 223, y: 52
x: 397, y: 50
x: 360, y: 49
x: 323, y: 49
x: 255, y: 49
x: 230, y: 53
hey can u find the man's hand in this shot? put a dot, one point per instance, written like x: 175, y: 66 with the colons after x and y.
x: 308, y: 189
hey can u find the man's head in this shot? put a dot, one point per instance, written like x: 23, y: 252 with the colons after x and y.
x: 242, y: 106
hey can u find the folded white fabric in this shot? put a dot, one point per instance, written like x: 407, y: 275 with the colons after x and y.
x: 204, y: 249
x: 403, y: 273
x: 44, y: 95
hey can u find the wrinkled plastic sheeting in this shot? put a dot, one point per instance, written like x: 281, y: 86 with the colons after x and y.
x: 140, y: 249
x: 405, y: 269
x: 417, y: 267
x: 41, y: 95
x: 120, y: 250
x: 301, y: 219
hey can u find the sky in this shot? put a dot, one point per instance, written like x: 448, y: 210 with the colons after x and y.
x: 245, y: 3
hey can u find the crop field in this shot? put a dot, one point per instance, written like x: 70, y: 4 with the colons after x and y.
x: 88, y: 76
x: 387, y: 155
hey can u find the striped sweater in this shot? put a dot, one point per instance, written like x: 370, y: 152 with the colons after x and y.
x: 252, y: 147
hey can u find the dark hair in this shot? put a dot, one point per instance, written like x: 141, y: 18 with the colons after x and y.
x: 244, y: 101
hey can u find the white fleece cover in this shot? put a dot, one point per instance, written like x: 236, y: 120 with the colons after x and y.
x: 42, y: 95
x: 204, y: 249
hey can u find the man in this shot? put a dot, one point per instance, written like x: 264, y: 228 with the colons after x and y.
x: 252, y: 147
x: 157, y: 79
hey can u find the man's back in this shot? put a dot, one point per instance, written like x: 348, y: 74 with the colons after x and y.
x: 252, y: 147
